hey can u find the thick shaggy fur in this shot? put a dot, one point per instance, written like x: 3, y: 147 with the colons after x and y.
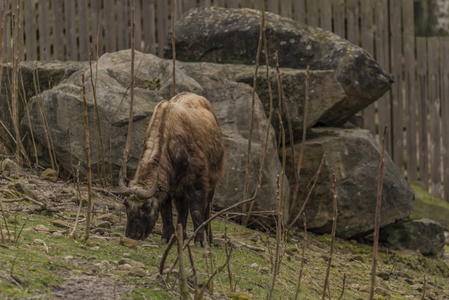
x: 183, y: 154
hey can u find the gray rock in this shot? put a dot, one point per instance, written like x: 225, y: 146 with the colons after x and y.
x: 321, y: 100
x: 23, y: 189
x: 354, y: 155
x: 231, y: 101
x: 424, y: 235
x: 231, y: 36
x: 49, y: 74
x: 10, y: 166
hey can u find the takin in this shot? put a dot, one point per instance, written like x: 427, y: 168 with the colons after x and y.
x: 181, y: 163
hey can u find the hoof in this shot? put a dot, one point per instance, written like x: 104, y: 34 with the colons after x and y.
x: 198, y: 244
x: 164, y: 240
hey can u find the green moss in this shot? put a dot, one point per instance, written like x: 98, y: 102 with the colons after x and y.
x: 430, y: 207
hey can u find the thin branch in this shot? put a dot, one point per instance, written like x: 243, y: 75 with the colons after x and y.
x: 182, y: 272
x: 343, y: 288
x: 173, y: 45
x: 301, y: 268
x: 331, y: 251
x: 377, y: 218
x: 253, y: 104
x: 89, y: 167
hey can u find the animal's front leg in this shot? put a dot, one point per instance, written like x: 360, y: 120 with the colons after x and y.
x: 167, y: 221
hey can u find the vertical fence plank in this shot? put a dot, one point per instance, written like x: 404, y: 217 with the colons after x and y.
x: 70, y: 29
x: 434, y: 117
x: 30, y: 31
x: 299, y: 11
x: 219, y: 3
x: 162, y: 20
x: 58, y: 35
x: 149, y: 26
x: 421, y: 54
x: 312, y: 13
x: 444, y: 46
x: 397, y: 123
x: 44, y: 31
x: 273, y: 6
x: 83, y: 30
x: 352, y: 21
x: 96, y: 31
x: 123, y: 25
x: 138, y: 21
x: 383, y: 58
x: 338, y: 12
x: 410, y: 100
x: 110, y: 26
x: 189, y: 4
x: 367, y: 42
x: 325, y: 15
x: 287, y: 8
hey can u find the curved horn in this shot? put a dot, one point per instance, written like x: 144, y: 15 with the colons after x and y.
x: 123, y: 188
x: 145, y: 194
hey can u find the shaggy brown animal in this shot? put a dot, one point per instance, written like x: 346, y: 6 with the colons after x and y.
x: 182, y: 163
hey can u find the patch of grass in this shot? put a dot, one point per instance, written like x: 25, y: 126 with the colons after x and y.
x: 430, y: 207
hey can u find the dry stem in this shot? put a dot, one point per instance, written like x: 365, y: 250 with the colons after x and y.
x: 301, y: 268
x: 182, y: 272
x: 89, y: 167
x: 173, y: 45
x: 331, y: 251
x: 377, y: 218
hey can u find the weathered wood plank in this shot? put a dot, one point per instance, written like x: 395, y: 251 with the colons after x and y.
x: 287, y: 8
x: 299, y: 11
x: 367, y: 40
x: 434, y: 117
x: 30, y: 31
x: 338, y: 12
x: 138, y: 21
x: 44, y: 31
x: 397, y: 95
x: 383, y: 58
x: 83, y: 30
x: 162, y: 26
x: 149, y: 28
x: 444, y: 46
x: 422, y: 91
x: 273, y: 6
x: 97, y: 28
x: 70, y: 29
x: 352, y: 19
x: 410, y: 97
x: 325, y: 15
x: 312, y: 13
x: 189, y: 4
x: 123, y: 24
x: 110, y: 26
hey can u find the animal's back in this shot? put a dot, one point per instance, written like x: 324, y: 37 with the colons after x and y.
x: 198, y: 128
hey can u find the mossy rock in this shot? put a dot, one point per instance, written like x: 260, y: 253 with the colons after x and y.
x: 430, y: 207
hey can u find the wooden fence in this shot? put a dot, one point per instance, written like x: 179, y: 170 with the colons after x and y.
x: 418, y: 137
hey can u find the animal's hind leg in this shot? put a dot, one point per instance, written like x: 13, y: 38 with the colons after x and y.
x: 167, y: 221
x: 197, y: 209
x: 182, y: 206
x: 207, y: 214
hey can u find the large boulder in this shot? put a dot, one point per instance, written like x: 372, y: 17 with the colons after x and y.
x: 321, y: 100
x: 35, y: 77
x: 353, y: 155
x: 231, y: 36
x: 63, y: 107
x: 424, y: 235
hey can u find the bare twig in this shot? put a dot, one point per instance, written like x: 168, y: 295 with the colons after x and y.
x: 195, y: 278
x: 377, y: 218
x: 331, y: 251
x: 315, y: 179
x: 424, y: 288
x: 166, y: 251
x: 89, y: 167
x: 72, y: 234
x: 301, y: 150
x: 182, y: 272
x: 213, y: 275
x: 20, y: 232
x: 251, y: 125
x: 343, y: 288
x: 131, y: 104
x: 173, y: 44
x: 301, y: 268
x: 231, y: 285
x: 6, y: 224
x: 2, y: 31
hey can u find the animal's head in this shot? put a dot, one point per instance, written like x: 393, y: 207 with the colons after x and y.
x: 141, y: 209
